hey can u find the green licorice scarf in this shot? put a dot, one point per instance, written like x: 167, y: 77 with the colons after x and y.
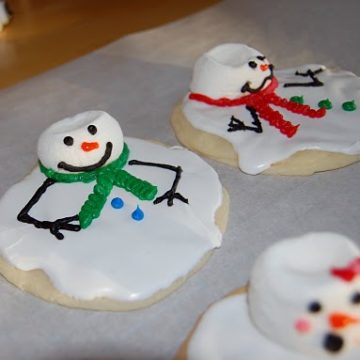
x: 106, y: 177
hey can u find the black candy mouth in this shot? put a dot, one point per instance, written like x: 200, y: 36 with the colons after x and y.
x: 247, y: 88
x: 101, y: 162
x: 333, y: 343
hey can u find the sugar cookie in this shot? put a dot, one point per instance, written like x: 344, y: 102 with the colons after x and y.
x: 288, y: 122
x: 107, y: 222
x: 302, y: 303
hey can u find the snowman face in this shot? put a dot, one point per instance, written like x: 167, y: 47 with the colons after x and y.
x: 231, y: 71
x: 81, y: 143
x: 329, y: 323
x: 305, y: 294
x: 258, y: 73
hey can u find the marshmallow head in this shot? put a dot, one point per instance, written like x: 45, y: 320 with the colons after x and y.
x: 305, y: 294
x: 84, y: 142
x: 231, y: 71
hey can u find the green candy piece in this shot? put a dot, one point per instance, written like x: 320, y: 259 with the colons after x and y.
x: 349, y: 105
x: 297, y: 99
x: 326, y: 104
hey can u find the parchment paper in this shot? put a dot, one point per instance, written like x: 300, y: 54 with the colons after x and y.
x: 138, y: 79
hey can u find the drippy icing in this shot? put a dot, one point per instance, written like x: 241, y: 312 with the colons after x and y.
x: 118, y: 257
x: 294, y: 305
x: 217, y: 76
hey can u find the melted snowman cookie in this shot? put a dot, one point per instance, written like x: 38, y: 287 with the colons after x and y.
x: 288, y: 122
x: 106, y: 222
x: 302, y: 303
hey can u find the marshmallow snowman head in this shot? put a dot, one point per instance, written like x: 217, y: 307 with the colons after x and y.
x: 84, y: 142
x: 305, y: 294
x: 231, y: 71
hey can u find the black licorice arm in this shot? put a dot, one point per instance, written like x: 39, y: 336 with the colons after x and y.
x: 171, y: 194
x: 53, y: 226
x: 312, y: 74
x: 236, y: 124
x: 23, y: 215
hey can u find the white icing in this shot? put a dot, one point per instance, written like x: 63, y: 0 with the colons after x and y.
x: 52, y: 150
x: 285, y: 279
x: 117, y: 257
x: 338, y: 131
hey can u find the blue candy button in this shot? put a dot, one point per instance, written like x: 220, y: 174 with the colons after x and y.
x: 117, y: 203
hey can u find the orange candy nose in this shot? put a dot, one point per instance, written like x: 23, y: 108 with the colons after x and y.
x: 264, y: 67
x: 339, y: 320
x: 89, y: 146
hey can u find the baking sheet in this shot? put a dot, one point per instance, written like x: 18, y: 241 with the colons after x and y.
x: 139, y: 79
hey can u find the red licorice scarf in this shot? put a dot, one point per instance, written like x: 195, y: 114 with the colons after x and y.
x: 261, y: 101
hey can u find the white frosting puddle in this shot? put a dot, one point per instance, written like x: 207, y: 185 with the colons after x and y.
x: 118, y: 257
x: 275, y: 321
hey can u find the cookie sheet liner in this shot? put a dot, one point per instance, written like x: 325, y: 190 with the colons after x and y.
x: 139, y: 79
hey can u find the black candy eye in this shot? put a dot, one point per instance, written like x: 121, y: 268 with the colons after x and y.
x: 355, y: 298
x: 262, y: 58
x: 252, y: 64
x: 68, y: 140
x: 314, y: 307
x: 92, y: 129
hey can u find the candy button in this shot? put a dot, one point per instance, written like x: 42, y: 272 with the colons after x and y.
x: 117, y: 203
x: 326, y: 104
x: 137, y: 214
x: 297, y: 99
x: 349, y: 105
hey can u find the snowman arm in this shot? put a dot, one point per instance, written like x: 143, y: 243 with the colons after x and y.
x: 171, y: 194
x: 52, y: 226
x: 23, y: 215
x: 236, y: 124
x: 309, y: 73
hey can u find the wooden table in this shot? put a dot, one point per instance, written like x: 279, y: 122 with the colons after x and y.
x: 47, y: 33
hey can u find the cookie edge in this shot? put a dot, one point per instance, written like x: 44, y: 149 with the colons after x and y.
x: 302, y: 163
x: 37, y: 282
